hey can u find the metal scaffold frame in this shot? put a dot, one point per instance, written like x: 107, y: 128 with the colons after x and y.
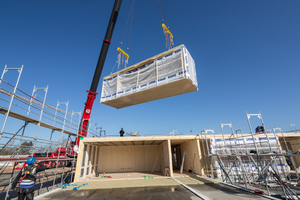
x: 36, y: 113
x: 13, y: 94
x: 252, y: 161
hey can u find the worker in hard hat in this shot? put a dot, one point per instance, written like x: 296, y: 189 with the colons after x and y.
x: 27, y: 179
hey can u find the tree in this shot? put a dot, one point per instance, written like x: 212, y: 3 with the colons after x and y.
x: 25, y: 147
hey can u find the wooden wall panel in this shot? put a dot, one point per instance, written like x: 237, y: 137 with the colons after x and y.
x: 293, y: 145
x: 128, y: 158
x: 150, y: 155
x: 196, y: 156
x: 184, y: 147
x: 202, y: 157
x: 138, y: 163
x: 191, y: 147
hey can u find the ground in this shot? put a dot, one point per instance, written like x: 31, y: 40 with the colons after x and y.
x: 158, y: 188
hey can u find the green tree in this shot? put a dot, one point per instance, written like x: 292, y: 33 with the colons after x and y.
x: 6, y: 151
x: 26, y: 147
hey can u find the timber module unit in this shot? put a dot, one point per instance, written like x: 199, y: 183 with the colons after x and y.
x: 167, y: 74
x: 162, y: 155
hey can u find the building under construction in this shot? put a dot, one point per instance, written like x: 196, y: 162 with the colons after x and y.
x: 264, y: 163
x: 260, y: 162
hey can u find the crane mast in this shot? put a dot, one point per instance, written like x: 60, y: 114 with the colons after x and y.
x: 93, y: 89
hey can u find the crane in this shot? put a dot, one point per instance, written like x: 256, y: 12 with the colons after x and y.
x: 93, y: 89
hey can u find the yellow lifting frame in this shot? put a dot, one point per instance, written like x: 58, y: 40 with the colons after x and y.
x: 168, y: 31
x: 123, y: 52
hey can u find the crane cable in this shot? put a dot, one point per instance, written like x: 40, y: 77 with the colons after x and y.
x: 162, y: 13
x: 129, y: 14
x: 120, y: 51
x: 166, y: 30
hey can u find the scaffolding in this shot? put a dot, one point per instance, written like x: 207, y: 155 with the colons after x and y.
x: 27, y: 121
x: 254, y: 161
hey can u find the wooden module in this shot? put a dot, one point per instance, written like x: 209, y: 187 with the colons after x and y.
x: 167, y: 90
x: 181, y: 79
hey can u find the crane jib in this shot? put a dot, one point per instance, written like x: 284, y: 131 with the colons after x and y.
x: 93, y: 89
x: 105, y: 45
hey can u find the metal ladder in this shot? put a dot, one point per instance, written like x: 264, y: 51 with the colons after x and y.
x: 181, y: 168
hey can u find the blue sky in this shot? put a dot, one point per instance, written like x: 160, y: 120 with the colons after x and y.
x: 247, y: 56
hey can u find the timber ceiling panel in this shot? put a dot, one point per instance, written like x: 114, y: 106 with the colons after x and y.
x: 127, y: 143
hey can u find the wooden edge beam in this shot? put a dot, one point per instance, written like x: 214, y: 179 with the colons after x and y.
x: 113, y: 144
x: 152, y: 142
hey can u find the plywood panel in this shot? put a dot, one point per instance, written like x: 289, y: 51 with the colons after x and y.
x: 195, y: 154
x: 138, y: 164
x: 202, y: 157
x: 184, y: 147
x: 191, y: 147
x: 167, y: 90
x: 128, y: 158
x: 125, y: 158
x: 150, y: 155
x: 294, y: 145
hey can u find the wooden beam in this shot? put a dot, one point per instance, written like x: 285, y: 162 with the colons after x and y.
x: 152, y: 142
x: 113, y: 144
x: 103, y: 144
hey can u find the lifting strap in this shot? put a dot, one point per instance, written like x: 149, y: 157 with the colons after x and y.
x: 120, y: 59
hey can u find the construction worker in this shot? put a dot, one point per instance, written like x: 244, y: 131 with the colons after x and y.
x: 27, y: 179
x: 121, y: 132
x: 259, y: 129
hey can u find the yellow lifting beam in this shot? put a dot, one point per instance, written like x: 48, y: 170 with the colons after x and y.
x: 123, y: 52
x: 167, y: 30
